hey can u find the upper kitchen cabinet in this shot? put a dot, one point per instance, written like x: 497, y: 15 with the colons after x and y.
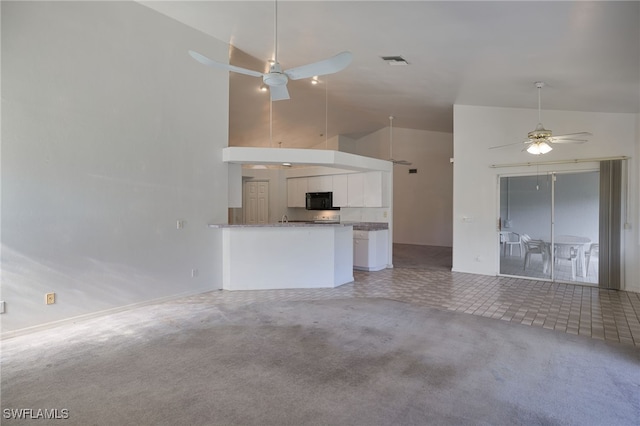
x: 320, y: 183
x: 355, y: 190
x: 297, y: 189
x: 376, y: 189
x: 369, y: 189
x: 340, y: 190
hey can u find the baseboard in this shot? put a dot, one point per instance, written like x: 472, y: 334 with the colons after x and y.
x: 97, y: 314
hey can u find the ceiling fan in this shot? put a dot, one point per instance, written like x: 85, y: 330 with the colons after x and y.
x: 540, y: 140
x: 400, y: 162
x: 276, y: 79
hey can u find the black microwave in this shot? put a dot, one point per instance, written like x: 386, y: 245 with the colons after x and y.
x: 320, y: 201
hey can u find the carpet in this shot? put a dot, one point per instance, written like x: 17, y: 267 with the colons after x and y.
x: 330, y: 362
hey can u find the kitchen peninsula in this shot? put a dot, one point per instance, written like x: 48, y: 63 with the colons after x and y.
x: 286, y: 255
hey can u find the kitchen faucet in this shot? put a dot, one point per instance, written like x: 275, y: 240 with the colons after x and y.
x: 285, y: 219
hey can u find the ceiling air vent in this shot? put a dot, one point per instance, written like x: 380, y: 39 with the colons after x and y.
x: 395, y: 60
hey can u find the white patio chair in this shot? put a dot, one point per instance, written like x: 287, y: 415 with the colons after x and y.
x: 534, y: 247
x: 512, y: 239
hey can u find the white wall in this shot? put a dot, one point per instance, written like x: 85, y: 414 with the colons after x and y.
x: 475, y: 247
x: 110, y: 134
x: 422, y: 202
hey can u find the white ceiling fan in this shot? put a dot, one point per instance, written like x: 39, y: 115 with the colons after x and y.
x: 276, y: 79
x: 400, y: 162
x: 540, y: 140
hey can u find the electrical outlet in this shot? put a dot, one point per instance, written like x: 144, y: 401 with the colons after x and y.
x: 194, y: 273
x: 1, y: 306
x: 180, y: 224
x: 50, y: 298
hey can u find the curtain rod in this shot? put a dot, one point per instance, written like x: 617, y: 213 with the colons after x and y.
x: 543, y: 163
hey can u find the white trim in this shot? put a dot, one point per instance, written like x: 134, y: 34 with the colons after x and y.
x: 544, y: 163
x: 92, y: 315
x: 314, y: 157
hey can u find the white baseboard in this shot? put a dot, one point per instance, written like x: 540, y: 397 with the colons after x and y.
x: 92, y: 315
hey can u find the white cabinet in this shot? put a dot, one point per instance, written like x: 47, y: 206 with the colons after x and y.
x: 370, y: 250
x: 376, y: 189
x: 340, y: 192
x: 296, y: 192
x: 320, y: 183
x: 355, y: 190
x: 370, y: 189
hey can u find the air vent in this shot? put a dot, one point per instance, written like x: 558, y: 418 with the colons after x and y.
x: 395, y: 60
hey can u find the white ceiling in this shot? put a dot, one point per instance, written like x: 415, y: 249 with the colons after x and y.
x: 475, y: 53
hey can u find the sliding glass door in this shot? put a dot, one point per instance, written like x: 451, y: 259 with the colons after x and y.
x: 549, y: 226
x: 576, y: 227
x: 525, y: 216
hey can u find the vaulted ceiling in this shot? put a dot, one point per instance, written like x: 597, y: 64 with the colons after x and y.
x: 474, y: 53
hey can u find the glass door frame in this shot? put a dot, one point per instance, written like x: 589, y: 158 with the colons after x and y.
x: 553, y: 178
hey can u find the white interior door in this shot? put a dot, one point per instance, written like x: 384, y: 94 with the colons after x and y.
x: 256, y: 202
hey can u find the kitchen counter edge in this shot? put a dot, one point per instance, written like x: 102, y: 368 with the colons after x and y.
x: 281, y: 225
x: 357, y: 226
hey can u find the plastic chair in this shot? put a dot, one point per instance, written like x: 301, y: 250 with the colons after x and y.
x: 532, y: 247
x: 594, y: 251
x: 570, y: 253
x: 512, y: 239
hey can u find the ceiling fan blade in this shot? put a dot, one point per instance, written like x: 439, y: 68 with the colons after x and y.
x: 328, y: 66
x: 400, y: 162
x: 510, y: 144
x: 560, y: 141
x: 279, y: 93
x: 571, y: 135
x: 211, y: 63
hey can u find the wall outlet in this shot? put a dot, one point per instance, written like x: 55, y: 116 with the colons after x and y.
x: 194, y: 273
x: 50, y: 298
x: 1, y: 306
x: 180, y: 224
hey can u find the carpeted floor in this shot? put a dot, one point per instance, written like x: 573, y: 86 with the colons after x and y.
x: 327, y: 362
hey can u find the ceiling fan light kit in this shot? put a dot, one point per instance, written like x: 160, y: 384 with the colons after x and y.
x: 538, y: 148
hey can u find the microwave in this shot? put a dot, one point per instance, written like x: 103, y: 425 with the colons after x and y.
x: 320, y: 201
